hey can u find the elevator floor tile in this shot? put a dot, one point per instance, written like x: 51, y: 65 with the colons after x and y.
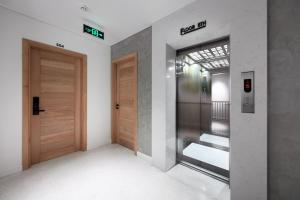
x: 213, y: 139
x: 208, y: 155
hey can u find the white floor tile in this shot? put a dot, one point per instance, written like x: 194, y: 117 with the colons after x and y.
x: 200, y: 182
x: 109, y: 173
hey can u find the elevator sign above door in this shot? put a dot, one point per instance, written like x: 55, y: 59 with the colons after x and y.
x: 92, y: 31
x: 192, y: 28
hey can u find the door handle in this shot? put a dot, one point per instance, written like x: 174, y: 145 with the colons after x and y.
x: 36, y: 106
x: 117, y: 106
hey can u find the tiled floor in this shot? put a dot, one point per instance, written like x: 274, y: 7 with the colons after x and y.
x: 110, y: 173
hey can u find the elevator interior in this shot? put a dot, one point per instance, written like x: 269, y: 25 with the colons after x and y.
x: 203, y: 107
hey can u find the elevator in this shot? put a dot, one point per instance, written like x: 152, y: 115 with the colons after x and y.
x: 203, y: 107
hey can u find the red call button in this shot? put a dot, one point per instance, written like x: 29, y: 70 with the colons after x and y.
x: 247, y: 85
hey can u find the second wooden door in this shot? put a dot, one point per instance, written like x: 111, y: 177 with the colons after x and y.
x: 125, y: 101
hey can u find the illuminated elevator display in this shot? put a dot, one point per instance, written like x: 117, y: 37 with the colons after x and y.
x: 93, y: 31
x: 247, y: 85
x: 247, y: 92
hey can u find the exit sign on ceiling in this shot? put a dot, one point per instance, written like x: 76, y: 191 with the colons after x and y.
x: 93, y: 31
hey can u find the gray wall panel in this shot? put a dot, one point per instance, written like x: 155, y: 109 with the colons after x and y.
x: 284, y: 100
x: 142, y: 44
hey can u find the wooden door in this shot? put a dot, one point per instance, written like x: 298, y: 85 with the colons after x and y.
x: 125, y: 101
x: 55, y: 79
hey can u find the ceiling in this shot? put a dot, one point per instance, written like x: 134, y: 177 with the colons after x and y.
x: 117, y: 18
x: 212, y: 56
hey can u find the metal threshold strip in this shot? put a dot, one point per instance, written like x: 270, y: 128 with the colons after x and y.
x: 206, y: 172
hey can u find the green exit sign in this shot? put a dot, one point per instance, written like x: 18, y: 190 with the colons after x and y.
x: 92, y: 31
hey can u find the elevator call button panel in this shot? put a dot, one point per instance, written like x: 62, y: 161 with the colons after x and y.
x: 247, y: 90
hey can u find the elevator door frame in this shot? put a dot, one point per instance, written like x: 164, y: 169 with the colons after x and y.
x: 211, y: 170
x: 27, y: 46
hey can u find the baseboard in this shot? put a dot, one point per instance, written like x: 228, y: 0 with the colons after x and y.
x: 10, y: 171
x: 144, y: 157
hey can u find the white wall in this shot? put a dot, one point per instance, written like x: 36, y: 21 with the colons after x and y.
x: 246, y: 23
x: 14, y: 27
x: 220, y: 90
